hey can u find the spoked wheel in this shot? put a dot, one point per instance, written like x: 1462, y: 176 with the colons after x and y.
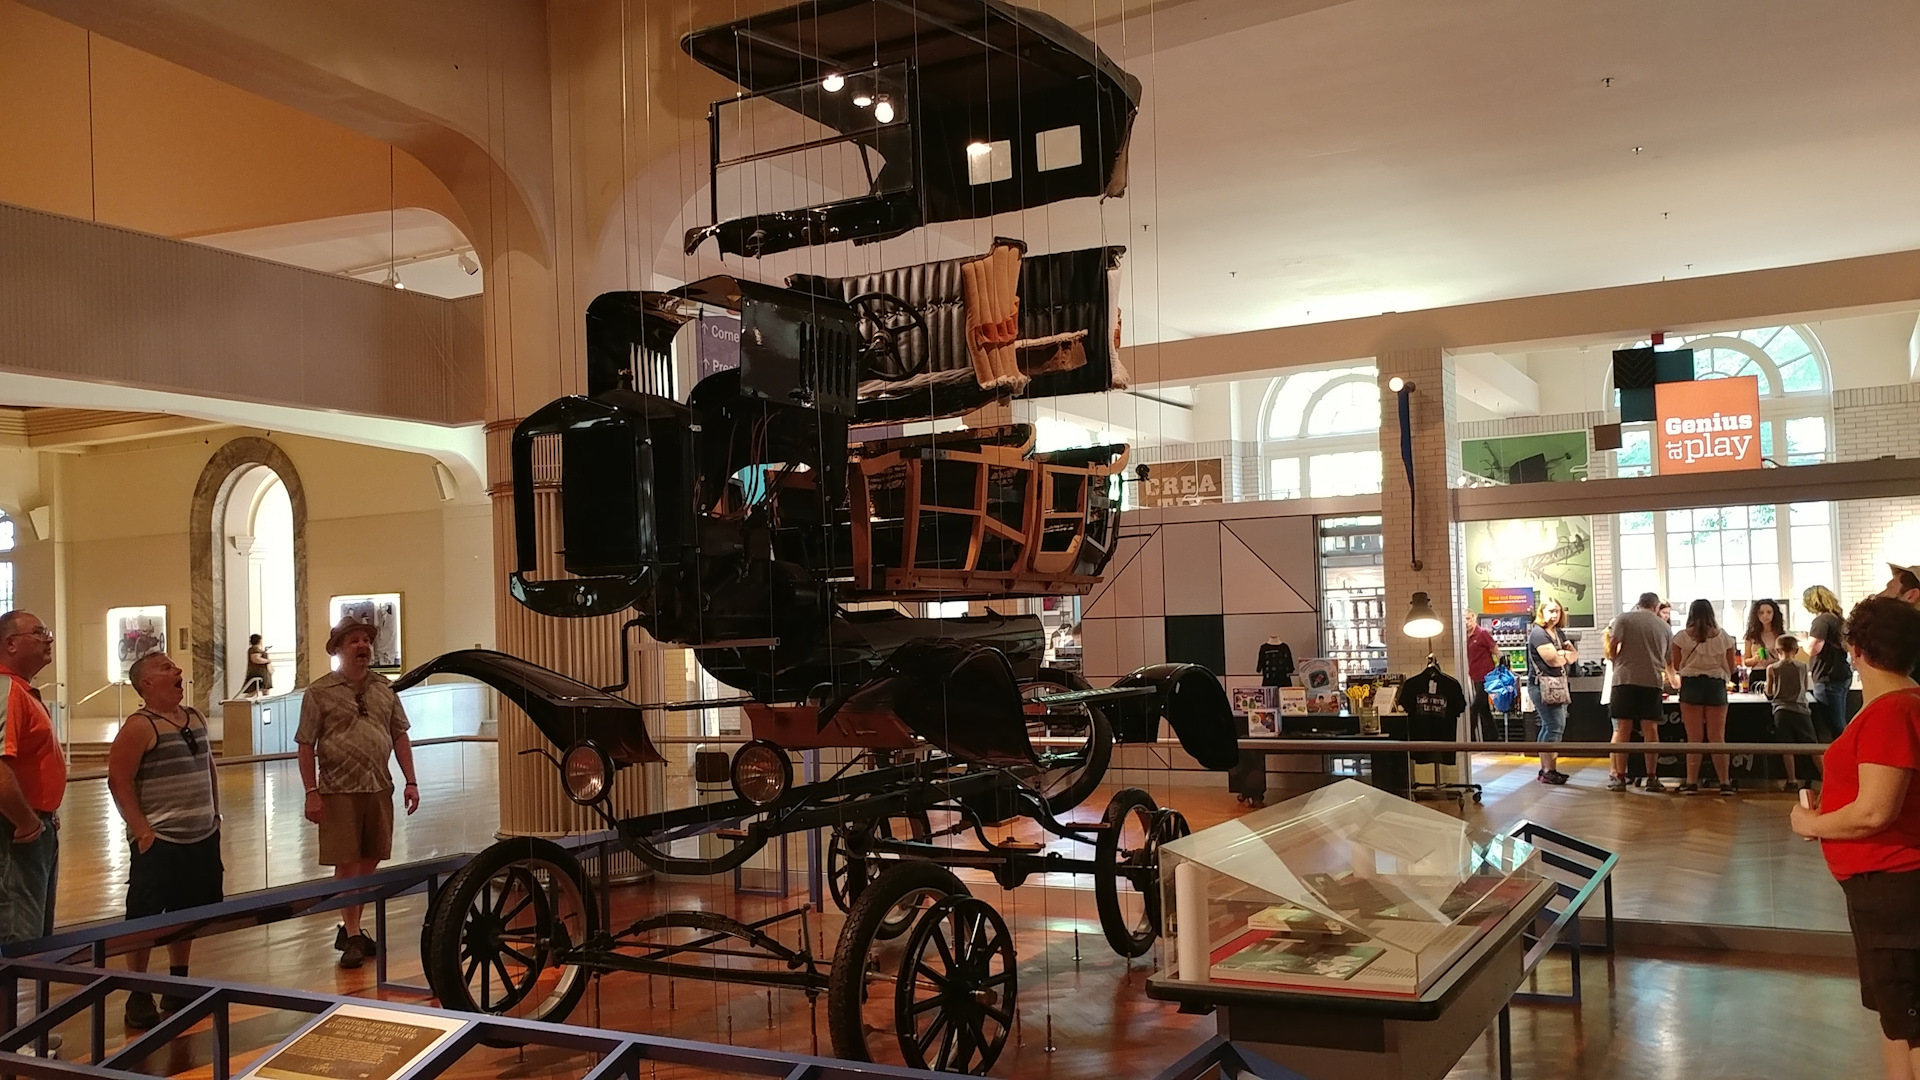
x: 1067, y: 774
x: 953, y: 1004
x: 1126, y: 877
x: 851, y: 863
x: 504, y: 928
x: 861, y: 1006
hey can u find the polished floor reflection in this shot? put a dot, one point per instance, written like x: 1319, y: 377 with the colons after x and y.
x: 1650, y: 1013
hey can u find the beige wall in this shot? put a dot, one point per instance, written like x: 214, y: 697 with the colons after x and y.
x: 94, y: 129
x: 375, y: 523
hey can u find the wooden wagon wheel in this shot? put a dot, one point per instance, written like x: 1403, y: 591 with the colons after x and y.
x: 957, y: 988
x: 504, y: 929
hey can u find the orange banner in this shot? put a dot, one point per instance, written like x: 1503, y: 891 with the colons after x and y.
x: 1709, y: 425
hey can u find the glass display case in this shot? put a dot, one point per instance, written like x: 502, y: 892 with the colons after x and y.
x: 1347, y: 889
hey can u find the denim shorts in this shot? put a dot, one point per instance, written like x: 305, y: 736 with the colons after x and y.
x: 29, y: 874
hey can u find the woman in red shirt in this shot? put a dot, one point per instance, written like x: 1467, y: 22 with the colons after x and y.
x: 1868, y: 823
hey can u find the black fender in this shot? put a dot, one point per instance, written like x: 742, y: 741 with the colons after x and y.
x: 1193, y: 703
x: 565, y: 709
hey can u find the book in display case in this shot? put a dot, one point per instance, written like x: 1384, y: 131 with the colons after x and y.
x: 1345, y: 890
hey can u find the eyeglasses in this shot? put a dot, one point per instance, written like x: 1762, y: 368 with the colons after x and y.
x: 40, y: 632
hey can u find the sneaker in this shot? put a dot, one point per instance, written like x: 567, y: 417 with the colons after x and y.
x: 1687, y: 789
x: 1554, y: 777
x: 1655, y: 785
x: 352, y: 955
x: 1616, y: 783
x: 141, y: 1013
x: 1726, y: 789
x: 173, y: 1003
x: 369, y: 948
x: 340, y: 937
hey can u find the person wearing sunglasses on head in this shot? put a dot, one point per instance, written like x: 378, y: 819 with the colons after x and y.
x: 162, y: 777
x: 33, y: 781
x: 351, y: 726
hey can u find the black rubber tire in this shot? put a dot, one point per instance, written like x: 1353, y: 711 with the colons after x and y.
x: 520, y: 860
x: 848, y: 845
x: 1099, y: 752
x: 846, y: 981
x: 1129, y: 939
x: 972, y: 1002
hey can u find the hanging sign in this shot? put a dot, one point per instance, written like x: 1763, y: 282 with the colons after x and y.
x: 716, y: 346
x: 1711, y: 425
x: 1182, y: 483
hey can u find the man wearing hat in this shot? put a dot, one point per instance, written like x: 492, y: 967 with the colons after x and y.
x: 1904, y: 585
x: 351, y: 723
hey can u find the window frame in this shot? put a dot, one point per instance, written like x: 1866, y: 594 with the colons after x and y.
x: 1302, y: 447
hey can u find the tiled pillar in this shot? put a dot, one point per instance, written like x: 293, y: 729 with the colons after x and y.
x: 1426, y: 532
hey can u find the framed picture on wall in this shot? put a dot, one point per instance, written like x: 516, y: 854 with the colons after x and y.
x: 133, y: 632
x: 380, y: 611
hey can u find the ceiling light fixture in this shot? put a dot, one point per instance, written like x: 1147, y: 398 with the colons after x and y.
x: 862, y: 99
x: 466, y: 261
x: 833, y: 83
x: 883, y: 109
x: 978, y: 149
x: 393, y: 280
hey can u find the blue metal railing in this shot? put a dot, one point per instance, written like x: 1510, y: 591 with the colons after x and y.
x: 620, y: 1052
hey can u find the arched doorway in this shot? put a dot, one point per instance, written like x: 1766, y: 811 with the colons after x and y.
x: 249, y: 556
x: 257, y: 545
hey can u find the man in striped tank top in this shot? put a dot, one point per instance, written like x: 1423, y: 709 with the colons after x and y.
x: 162, y: 777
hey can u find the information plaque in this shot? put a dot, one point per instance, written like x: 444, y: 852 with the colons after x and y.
x: 358, y: 1042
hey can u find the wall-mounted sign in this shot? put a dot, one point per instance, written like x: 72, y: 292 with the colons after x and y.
x: 1182, y: 483
x: 1707, y: 426
x: 1550, y: 557
x: 1507, y: 601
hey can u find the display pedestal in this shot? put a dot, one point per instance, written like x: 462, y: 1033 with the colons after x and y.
x: 1374, y: 1037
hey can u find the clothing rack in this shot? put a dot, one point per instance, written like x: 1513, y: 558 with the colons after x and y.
x: 1460, y: 790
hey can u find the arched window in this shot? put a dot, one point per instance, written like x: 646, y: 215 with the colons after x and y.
x: 1735, y: 555
x: 1795, y: 406
x: 8, y: 536
x: 1320, y: 433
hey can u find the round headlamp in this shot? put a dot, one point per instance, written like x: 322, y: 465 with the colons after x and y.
x: 762, y: 772
x: 587, y: 773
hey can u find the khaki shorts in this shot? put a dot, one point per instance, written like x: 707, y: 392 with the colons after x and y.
x: 356, y: 826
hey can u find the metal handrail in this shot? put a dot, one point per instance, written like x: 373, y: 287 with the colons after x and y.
x: 620, y: 1052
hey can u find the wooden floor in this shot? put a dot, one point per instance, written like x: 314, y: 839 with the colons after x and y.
x: 1653, y: 1013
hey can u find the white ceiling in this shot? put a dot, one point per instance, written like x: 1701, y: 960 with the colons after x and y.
x: 1388, y: 155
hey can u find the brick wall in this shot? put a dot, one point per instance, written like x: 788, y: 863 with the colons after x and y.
x: 1869, y: 423
x: 1436, y: 461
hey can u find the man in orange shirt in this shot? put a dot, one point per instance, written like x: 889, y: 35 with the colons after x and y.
x: 33, y: 779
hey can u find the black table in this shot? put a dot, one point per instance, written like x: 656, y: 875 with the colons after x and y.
x: 1749, y: 719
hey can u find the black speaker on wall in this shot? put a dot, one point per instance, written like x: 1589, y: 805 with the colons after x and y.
x: 1197, y: 639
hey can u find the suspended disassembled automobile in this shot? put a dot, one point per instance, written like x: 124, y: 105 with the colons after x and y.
x: 761, y: 521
